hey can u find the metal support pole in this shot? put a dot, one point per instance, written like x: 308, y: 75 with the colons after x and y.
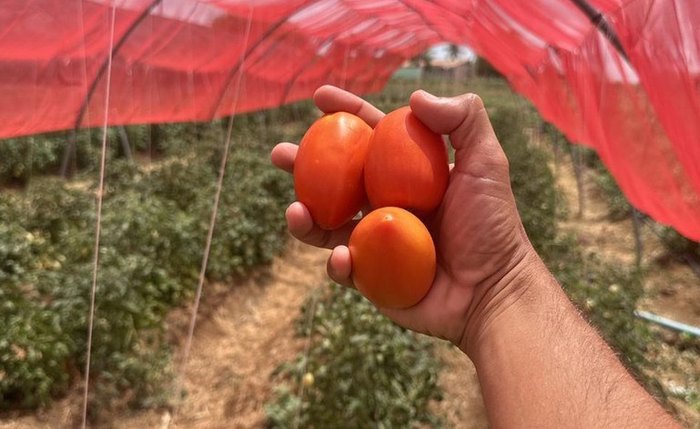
x: 638, y: 245
x: 69, y: 155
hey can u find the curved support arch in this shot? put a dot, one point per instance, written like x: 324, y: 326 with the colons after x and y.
x: 599, y: 21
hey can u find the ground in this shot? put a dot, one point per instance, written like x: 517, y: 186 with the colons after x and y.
x: 245, y: 332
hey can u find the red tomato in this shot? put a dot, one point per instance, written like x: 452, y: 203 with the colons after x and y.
x: 393, y: 258
x: 328, y: 171
x: 406, y: 164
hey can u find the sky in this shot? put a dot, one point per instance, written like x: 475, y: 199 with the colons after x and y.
x: 441, y: 52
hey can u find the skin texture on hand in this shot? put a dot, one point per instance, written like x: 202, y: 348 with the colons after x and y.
x: 477, y: 230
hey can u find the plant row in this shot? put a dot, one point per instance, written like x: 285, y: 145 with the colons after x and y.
x: 154, y: 224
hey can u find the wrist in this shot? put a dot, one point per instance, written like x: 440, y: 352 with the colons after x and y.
x: 519, y: 293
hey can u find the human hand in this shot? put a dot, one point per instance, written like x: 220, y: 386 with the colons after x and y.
x: 481, y: 244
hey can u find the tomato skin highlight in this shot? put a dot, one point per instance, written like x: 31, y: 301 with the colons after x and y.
x: 393, y: 258
x: 328, y: 170
x: 407, y: 164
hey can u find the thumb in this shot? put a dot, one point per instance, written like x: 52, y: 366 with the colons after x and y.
x: 463, y: 117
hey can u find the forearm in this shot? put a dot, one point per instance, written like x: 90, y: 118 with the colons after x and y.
x: 541, y: 365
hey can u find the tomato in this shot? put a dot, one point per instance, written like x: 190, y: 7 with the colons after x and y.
x: 406, y: 164
x: 328, y: 171
x: 308, y: 379
x: 393, y: 258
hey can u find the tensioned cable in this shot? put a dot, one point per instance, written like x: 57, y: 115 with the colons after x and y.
x: 98, y: 223
x: 214, y: 213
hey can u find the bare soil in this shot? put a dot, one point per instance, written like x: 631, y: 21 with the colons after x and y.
x: 248, y: 334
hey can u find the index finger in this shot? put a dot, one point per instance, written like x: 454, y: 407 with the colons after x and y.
x: 331, y: 99
x: 283, y: 156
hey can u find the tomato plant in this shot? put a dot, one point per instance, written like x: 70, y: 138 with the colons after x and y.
x: 328, y: 171
x: 406, y: 164
x: 393, y: 258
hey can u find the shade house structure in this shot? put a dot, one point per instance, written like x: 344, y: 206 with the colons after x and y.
x: 619, y: 76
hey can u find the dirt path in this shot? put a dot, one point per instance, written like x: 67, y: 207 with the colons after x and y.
x: 246, y: 337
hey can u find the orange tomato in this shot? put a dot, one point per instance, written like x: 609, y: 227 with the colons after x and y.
x: 328, y: 171
x: 393, y: 258
x: 406, y: 164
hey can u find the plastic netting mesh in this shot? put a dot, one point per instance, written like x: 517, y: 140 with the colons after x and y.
x: 176, y: 61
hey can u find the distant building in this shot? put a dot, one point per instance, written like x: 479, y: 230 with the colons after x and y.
x: 459, y: 70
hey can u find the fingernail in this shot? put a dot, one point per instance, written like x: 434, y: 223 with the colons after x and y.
x: 291, y: 208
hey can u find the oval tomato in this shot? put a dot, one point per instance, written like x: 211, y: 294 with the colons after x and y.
x: 406, y: 164
x: 393, y: 258
x: 328, y: 171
